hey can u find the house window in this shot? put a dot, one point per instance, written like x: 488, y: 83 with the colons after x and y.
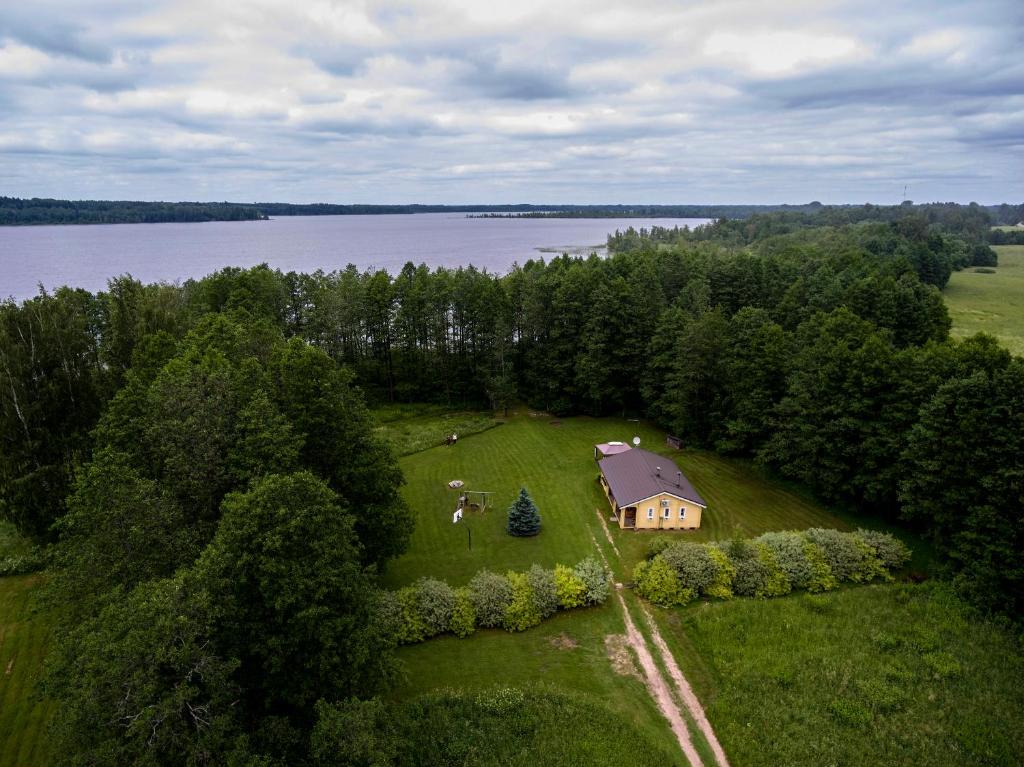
x: 682, y: 513
x: 668, y: 512
x: 650, y: 513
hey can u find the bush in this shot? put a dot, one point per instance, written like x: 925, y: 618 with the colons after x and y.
x: 725, y: 574
x: 411, y: 629
x: 521, y: 612
x: 890, y: 550
x: 822, y: 578
x: 389, y: 613
x: 693, y: 564
x: 523, y: 517
x: 751, y: 576
x: 595, y: 579
x: 436, y: 603
x: 545, y: 591
x: 463, y: 616
x: 22, y: 564
x: 776, y: 583
x: 491, y: 595
x: 658, y: 545
x: 788, y: 550
x: 657, y: 582
x: 570, y: 588
x: 844, y: 556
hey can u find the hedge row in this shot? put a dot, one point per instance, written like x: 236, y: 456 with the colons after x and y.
x: 772, y: 565
x: 514, y: 601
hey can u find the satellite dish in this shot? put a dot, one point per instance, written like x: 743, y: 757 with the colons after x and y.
x: 636, y: 442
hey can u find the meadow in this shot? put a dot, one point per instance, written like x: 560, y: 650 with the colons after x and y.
x: 881, y: 674
x: 981, y: 302
x: 23, y: 643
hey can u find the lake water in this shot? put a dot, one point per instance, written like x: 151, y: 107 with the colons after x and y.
x: 86, y: 256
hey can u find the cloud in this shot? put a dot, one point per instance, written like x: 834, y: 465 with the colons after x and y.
x: 455, y: 100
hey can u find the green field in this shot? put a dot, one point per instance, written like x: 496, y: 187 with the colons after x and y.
x: 990, y: 303
x: 884, y: 674
x: 553, y: 459
x: 23, y: 643
x: 569, y: 651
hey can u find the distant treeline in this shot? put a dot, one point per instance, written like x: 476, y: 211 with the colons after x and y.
x: 18, y: 212
x: 15, y: 211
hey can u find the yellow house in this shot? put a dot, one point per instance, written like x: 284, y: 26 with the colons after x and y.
x: 648, y: 492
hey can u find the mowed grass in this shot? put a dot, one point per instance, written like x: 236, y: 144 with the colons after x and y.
x: 553, y: 459
x: 24, y: 636
x: 990, y: 303
x: 883, y: 674
x: 567, y: 652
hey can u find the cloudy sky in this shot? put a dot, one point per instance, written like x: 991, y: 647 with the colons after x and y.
x: 551, y: 101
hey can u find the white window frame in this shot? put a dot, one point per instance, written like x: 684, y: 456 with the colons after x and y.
x: 682, y: 512
x: 650, y: 514
x: 668, y: 513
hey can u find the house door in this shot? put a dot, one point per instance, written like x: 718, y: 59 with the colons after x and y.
x: 630, y: 517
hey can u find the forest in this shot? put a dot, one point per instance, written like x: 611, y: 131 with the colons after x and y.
x: 198, y: 466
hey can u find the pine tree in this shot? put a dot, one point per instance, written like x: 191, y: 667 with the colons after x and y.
x: 523, y: 517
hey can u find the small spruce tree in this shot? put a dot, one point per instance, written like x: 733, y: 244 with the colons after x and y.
x: 523, y: 517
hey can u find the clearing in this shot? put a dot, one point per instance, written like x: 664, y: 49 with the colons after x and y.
x: 979, y: 302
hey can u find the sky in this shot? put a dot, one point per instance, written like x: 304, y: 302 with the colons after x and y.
x: 556, y: 101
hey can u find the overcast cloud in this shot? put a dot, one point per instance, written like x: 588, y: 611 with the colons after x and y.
x: 525, y: 101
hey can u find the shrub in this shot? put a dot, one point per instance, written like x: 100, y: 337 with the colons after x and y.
x: 545, y: 591
x: 22, y: 564
x: 775, y: 583
x: 570, y: 588
x: 657, y: 545
x: 388, y: 612
x: 844, y: 556
x: 491, y: 594
x: 595, y: 578
x: 890, y: 550
x: 788, y: 550
x: 822, y: 578
x: 658, y: 582
x: 942, y: 664
x: 693, y: 564
x: 463, y: 615
x: 412, y: 629
x: 436, y: 603
x: 725, y: 573
x: 521, y: 612
x: 751, y: 577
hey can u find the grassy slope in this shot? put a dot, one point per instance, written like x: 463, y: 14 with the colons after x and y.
x: 991, y: 303
x: 23, y: 641
x: 555, y: 463
x: 856, y: 677
x: 494, y: 657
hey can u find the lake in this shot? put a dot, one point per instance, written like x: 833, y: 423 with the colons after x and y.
x: 86, y: 256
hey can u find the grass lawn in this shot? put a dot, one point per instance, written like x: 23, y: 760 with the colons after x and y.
x: 553, y: 459
x: 990, y: 303
x: 412, y: 428
x: 23, y: 643
x: 883, y: 674
x: 567, y: 652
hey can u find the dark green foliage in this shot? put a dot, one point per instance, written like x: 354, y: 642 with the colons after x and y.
x: 142, y: 683
x: 296, y: 605
x: 355, y: 733
x: 523, y: 517
x: 52, y: 387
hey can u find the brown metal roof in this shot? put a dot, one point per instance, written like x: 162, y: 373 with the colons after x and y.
x: 632, y: 476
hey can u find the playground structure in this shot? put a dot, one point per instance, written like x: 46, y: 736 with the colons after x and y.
x: 467, y: 502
